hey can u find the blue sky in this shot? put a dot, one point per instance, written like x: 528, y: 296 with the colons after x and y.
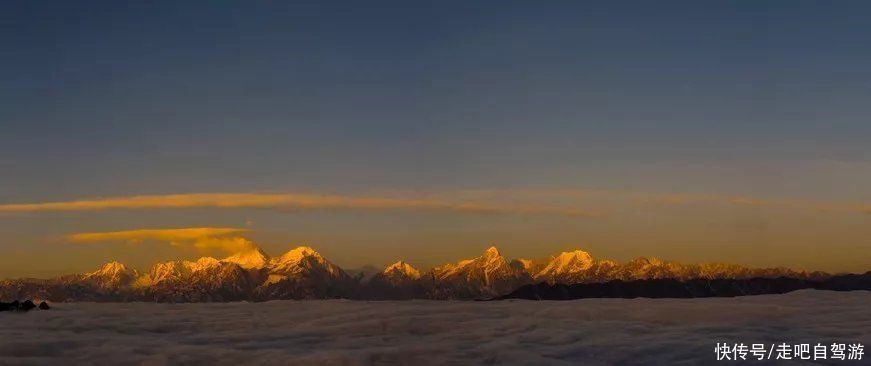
x: 762, y: 99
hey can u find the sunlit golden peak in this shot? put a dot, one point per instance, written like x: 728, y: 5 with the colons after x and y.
x: 403, y: 268
x: 110, y: 268
x: 297, y: 254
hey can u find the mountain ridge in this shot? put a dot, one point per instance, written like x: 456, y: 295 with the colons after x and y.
x: 303, y: 273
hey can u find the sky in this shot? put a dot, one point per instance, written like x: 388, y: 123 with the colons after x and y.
x: 720, y: 131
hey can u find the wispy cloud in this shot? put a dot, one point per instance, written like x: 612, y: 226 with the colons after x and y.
x: 284, y: 202
x: 749, y: 201
x: 569, y: 203
x: 591, y: 199
x: 168, y: 235
x: 227, y: 239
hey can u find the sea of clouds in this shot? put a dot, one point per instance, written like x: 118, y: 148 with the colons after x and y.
x: 340, y: 332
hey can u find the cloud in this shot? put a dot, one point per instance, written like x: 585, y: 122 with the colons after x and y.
x: 226, y: 239
x: 609, y: 198
x: 328, y: 332
x: 748, y: 201
x: 592, y: 195
x: 236, y: 244
x: 203, y: 238
x: 168, y: 235
x: 284, y: 202
x: 569, y: 203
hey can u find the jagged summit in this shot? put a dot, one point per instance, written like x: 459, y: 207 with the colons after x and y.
x: 202, y: 263
x: 296, y: 254
x: 112, y: 268
x: 491, y: 252
x: 304, y: 250
x: 303, y: 273
x: 646, y: 261
x: 485, y: 275
x: 572, y: 266
x: 399, y: 280
x: 249, y: 259
x: 530, y: 266
x: 110, y: 275
x: 487, y: 262
x: 401, y: 268
x: 302, y: 259
x: 567, y: 262
x: 527, y: 264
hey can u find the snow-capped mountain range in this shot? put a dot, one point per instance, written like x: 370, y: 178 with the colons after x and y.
x: 302, y: 273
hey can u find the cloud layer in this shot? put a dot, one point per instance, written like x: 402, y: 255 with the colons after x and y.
x: 572, y: 203
x: 581, y: 332
x: 226, y: 239
x: 284, y: 201
x: 169, y: 235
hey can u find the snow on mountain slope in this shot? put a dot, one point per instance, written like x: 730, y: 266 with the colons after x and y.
x: 396, y: 274
x: 401, y: 269
x: 565, y: 265
x: 252, y: 258
x: 531, y: 266
x: 303, y: 260
x: 485, y: 275
x: 399, y: 280
x: 112, y: 274
x: 303, y: 273
x: 174, y: 271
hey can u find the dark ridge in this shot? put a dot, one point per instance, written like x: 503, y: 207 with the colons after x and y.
x: 18, y: 306
x: 672, y: 288
x: 231, y: 283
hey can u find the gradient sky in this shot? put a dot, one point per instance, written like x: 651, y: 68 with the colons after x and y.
x: 694, y: 131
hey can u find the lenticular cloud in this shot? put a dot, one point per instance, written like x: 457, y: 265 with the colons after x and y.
x: 226, y: 239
